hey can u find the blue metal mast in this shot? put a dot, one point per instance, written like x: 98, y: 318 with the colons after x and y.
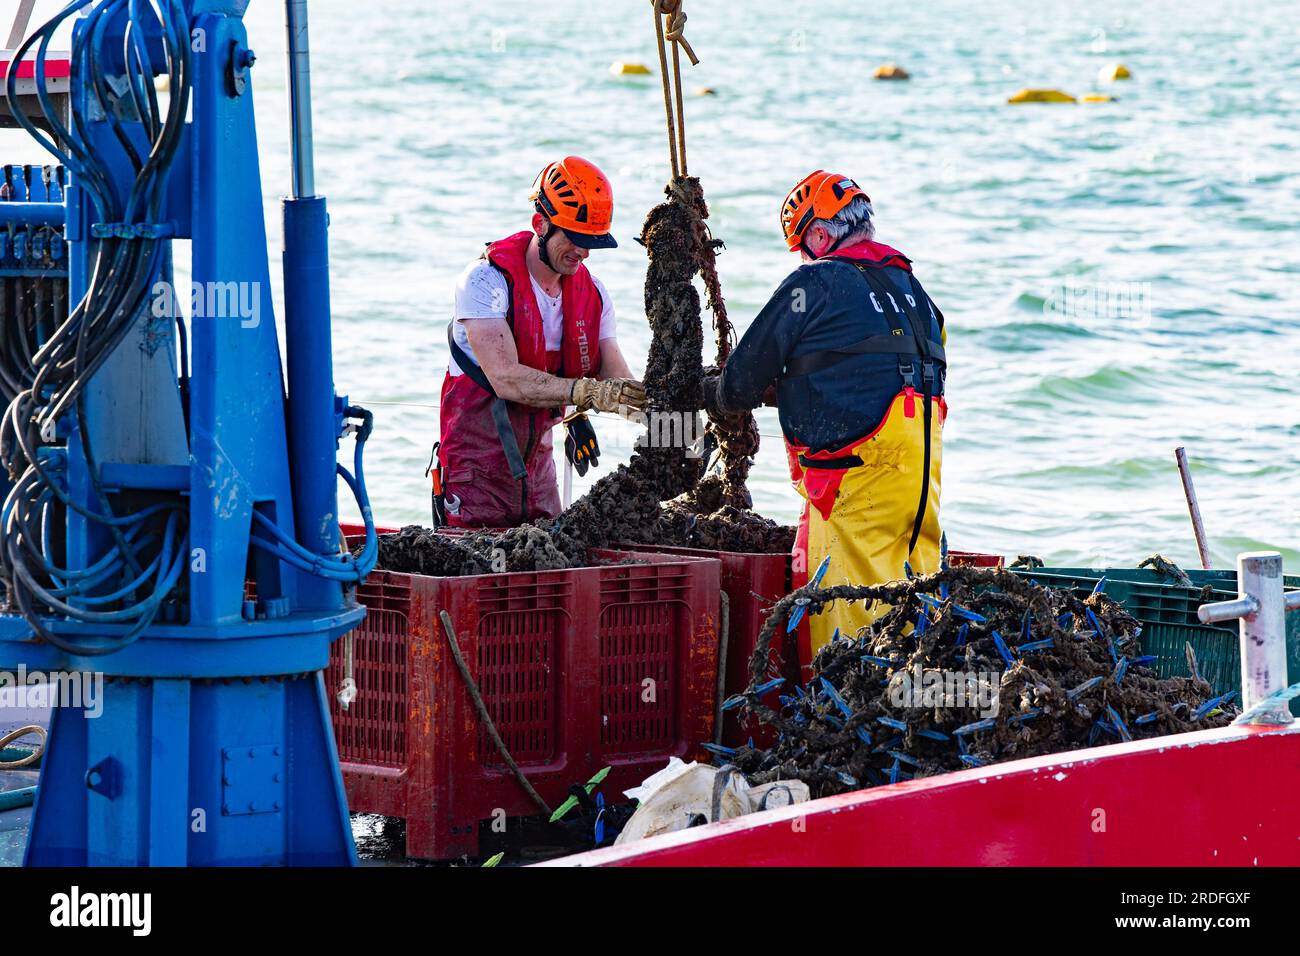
x: 173, y: 519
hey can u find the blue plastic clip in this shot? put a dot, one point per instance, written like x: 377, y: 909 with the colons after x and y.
x: 800, y: 609
x: 1026, y: 629
x: 986, y: 724
x: 873, y: 659
x: 1101, y: 587
x: 929, y: 601
x: 905, y: 758
x: 943, y: 550
x: 961, y: 634
x: 600, y: 819
x: 892, y: 722
x: 836, y: 698
x: 1096, y: 624
x: 1121, y: 669
x: 1087, y: 685
x: 720, y: 750
x: 1147, y: 718
x: 1144, y: 659
x: 1214, y: 702
x: 847, y: 779
x: 893, y: 771
x: 921, y: 622
x: 1027, y: 715
x: 971, y: 760
x: 907, y: 569
x: 1037, y: 645
x: 731, y: 703
x: 1001, y: 645
x: 968, y: 614
x: 933, y: 734
x: 1118, y: 722
x: 1065, y: 621
x: 766, y: 686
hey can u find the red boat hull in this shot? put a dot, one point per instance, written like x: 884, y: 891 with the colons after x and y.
x: 1227, y: 797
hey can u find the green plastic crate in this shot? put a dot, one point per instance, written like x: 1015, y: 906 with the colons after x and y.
x: 1168, y: 614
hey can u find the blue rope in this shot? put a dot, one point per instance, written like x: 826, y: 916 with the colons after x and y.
x: 1269, y: 703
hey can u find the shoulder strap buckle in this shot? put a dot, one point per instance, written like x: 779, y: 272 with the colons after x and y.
x: 928, y: 375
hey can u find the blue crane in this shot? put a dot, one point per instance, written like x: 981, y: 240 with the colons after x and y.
x: 171, y: 517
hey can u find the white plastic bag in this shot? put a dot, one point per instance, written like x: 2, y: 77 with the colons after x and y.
x: 682, y: 792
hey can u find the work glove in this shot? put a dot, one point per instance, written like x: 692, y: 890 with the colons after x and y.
x: 711, y: 387
x: 611, y: 395
x: 580, y: 445
x: 726, y: 418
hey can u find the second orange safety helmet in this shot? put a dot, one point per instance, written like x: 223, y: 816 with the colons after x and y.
x: 819, y: 195
x: 574, y: 195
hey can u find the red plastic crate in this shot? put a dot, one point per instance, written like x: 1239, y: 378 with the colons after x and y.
x: 974, y: 559
x: 561, y: 659
x: 752, y: 583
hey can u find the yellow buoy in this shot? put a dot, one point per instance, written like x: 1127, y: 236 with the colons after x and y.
x: 620, y: 68
x: 1042, y: 96
x: 1098, y: 98
x: 891, y: 71
x: 706, y: 91
x: 1114, y: 71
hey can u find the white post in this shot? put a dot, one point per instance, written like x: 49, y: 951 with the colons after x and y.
x: 1262, y: 609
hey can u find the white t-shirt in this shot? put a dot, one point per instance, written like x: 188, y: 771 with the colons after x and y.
x: 482, y: 293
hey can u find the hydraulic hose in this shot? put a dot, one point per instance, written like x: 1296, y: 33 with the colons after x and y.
x: 148, y: 549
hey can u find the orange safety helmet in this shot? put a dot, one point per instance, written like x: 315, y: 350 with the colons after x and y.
x: 819, y: 195
x: 575, y: 196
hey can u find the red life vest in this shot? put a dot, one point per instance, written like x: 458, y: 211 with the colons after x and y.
x: 873, y: 253
x: 481, y: 485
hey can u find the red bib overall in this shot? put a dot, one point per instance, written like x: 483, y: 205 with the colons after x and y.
x: 499, y: 469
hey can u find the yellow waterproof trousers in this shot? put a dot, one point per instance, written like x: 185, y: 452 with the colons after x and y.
x: 862, y: 515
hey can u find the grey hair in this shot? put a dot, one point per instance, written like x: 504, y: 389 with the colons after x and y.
x: 851, y: 224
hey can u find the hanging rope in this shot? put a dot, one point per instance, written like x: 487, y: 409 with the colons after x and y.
x: 670, y: 26
x: 488, y: 723
x: 737, y: 438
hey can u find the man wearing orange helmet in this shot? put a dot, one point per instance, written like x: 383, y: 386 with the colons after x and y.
x: 854, y: 348
x: 533, y: 332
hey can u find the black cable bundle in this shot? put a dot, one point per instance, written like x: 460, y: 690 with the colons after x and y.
x: 127, y: 585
